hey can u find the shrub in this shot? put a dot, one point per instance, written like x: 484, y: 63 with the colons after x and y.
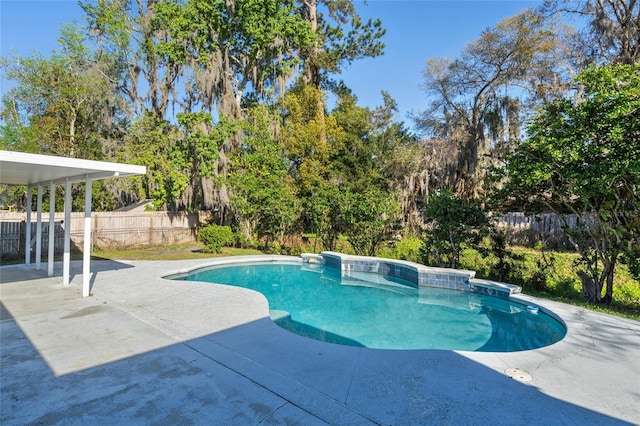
x: 407, y: 248
x: 214, y: 237
x: 452, y: 225
x: 240, y: 240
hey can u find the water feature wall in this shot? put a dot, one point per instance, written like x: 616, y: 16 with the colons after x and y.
x: 420, y: 275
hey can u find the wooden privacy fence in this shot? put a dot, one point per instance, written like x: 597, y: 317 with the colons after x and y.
x: 130, y: 229
x: 109, y: 230
x: 546, y: 223
x: 527, y: 229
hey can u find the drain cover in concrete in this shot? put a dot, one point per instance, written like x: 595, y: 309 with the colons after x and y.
x: 517, y: 374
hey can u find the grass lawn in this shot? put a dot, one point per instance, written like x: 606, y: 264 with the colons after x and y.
x: 167, y: 252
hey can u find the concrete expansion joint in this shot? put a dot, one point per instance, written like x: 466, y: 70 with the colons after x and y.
x: 355, y: 369
x: 151, y: 323
x: 283, y: 378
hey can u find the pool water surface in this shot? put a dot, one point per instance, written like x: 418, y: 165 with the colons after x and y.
x: 372, y: 311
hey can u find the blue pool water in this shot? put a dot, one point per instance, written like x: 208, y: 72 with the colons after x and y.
x: 386, y: 313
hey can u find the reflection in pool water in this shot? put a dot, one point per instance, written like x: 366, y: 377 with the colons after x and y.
x: 382, y: 312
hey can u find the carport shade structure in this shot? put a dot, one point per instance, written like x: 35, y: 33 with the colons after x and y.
x: 35, y: 170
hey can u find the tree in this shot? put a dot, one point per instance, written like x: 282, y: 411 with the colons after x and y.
x: 612, y: 33
x: 193, y: 156
x: 148, y: 142
x: 125, y: 30
x: 477, y: 100
x: 452, y: 224
x: 397, y: 160
x: 232, y: 54
x: 582, y: 157
x: 64, y: 104
x: 332, y: 48
x: 367, y: 218
x: 264, y: 200
x: 321, y: 214
x: 230, y: 47
x: 309, y: 139
x: 340, y: 38
x: 354, y: 161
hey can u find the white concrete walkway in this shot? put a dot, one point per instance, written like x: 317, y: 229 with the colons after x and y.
x: 144, y: 350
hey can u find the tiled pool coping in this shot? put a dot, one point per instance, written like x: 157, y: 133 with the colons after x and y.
x: 411, y: 272
x: 414, y: 273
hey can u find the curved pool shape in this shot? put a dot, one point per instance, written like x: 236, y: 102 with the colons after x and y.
x: 386, y: 313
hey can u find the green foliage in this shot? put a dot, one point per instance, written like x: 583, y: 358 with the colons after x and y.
x: 367, y: 219
x: 354, y: 160
x: 309, y: 139
x: 214, y: 237
x: 407, y: 248
x: 341, y: 37
x: 631, y: 257
x: 390, y: 138
x: 583, y: 157
x: 64, y: 104
x: 452, y: 224
x: 249, y: 44
x: 508, y: 264
x: 241, y: 240
x: 322, y: 214
x: 194, y: 153
x: 264, y: 202
x: 148, y: 143
x: 560, y: 279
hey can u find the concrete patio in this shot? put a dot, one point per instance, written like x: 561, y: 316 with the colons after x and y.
x: 145, y: 350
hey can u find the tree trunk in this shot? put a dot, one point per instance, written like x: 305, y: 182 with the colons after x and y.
x: 608, y: 277
x: 468, y: 178
x: 588, y: 287
x: 312, y: 70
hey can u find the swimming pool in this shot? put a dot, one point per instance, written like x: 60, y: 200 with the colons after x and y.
x: 385, y: 312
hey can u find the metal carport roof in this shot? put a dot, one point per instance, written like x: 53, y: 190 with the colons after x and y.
x: 19, y: 168
x: 35, y: 170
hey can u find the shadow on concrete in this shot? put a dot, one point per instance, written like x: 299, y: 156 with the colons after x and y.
x: 258, y: 374
x: 22, y: 272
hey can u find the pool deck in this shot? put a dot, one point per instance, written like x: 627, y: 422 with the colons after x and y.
x: 145, y: 350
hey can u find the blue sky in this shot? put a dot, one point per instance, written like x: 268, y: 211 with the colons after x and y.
x: 416, y: 31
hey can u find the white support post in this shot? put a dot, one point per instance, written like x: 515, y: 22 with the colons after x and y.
x: 52, y: 227
x: 27, y: 233
x: 67, y: 233
x: 86, y: 254
x: 39, y: 228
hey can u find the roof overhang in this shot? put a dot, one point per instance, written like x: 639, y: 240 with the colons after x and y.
x: 19, y: 168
